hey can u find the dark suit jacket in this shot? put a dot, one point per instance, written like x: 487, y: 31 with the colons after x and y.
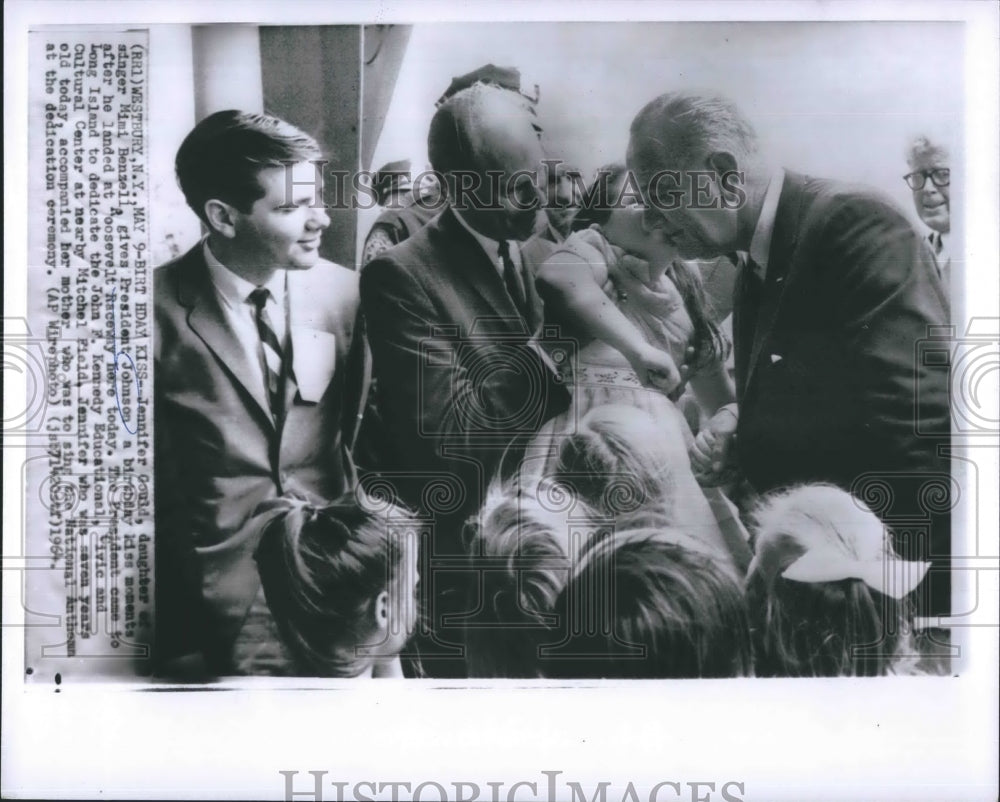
x: 829, y: 384
x: 218, y: 452
x: 457, y: 382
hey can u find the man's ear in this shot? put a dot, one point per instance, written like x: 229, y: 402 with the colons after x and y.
x: 722, y: 162
x: 221, y: 217
x: 382, y: 611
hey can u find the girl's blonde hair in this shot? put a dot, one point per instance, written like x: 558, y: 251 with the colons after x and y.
x: 620, y: 459
x: 520, y: 550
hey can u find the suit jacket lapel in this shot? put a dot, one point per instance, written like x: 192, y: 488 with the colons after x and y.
x: 783, y: 241
x: 470, y: 265
x: 533, y: 252
x: 745, y: 306
x: 207, y: 320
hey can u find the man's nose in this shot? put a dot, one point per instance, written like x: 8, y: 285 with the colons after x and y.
x: 929, y: 187
x: 319, y: 218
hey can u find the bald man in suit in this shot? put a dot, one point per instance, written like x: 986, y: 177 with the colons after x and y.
x: 457, y: 335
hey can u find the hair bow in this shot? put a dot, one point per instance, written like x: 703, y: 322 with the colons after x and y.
x: 283, y: 505
x: 280, y: 509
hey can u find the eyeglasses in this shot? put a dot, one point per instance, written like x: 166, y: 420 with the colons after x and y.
x: 939, y: 176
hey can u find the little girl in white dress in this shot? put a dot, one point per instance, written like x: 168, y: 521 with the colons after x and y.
x: 644, y: 329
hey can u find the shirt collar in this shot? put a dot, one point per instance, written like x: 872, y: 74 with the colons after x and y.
x: 760, y: 245
x: 234, y: 290
x: 491, y: 247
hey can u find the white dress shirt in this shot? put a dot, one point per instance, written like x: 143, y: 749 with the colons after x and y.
x: 233, y: 293
x: 942, y: 255
x: 760, y: 245
x: 491, y: 247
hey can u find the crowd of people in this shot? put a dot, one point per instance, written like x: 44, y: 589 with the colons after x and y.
x: 661, y: 424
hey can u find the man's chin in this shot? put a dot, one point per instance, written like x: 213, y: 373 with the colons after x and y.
x: 937, y: 222
x: 304, y: 261
x: 562, y: 221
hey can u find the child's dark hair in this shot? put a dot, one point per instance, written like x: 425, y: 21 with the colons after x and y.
x: 664, y: 611
x: 603, y: 196
x: 223, y: 155
x: 841, y: 626
x: 322, y: 569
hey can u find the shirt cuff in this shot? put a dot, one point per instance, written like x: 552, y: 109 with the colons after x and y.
x: 732, y: 409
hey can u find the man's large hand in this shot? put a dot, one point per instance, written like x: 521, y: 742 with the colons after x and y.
x: 713, y: 453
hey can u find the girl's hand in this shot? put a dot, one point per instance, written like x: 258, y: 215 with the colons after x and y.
x: 655, y: 368
x: 628, y: 229
x: 686, y: 373
x: 713, y: 453
x: 590, y: 245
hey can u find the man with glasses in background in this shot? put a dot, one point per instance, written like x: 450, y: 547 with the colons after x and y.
x: 930, y: 180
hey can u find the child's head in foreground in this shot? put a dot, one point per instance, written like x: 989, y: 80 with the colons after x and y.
x: 520, y: 550
x: 827, y: 593
x: 340, y: 581
x: 652, y: 607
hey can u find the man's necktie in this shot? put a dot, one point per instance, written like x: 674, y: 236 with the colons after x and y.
x: 937, y: 248
x: 512, y: 281
x: 747, y: 300
x: 272, y: 351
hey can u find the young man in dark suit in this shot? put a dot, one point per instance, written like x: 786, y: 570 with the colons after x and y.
x: 835, y: 293
x: 456, y: 331
x: 256, y: 383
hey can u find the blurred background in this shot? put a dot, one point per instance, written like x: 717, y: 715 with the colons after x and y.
x: 838, y: 100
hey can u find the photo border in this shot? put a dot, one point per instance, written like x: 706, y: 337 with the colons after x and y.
x: 907, y: 738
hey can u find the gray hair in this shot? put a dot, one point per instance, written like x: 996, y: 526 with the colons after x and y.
x: 923, y: 149
x: 676, y: 127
